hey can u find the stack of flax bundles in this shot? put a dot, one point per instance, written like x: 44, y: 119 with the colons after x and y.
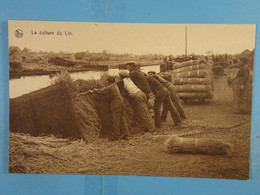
x: 193, y: 80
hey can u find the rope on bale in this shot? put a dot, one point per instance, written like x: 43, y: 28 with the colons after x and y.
x: 190, y: 68
x: 192, y: 88
x: 203, y: 73
x: 182, y: 145
x: 193, y: 77
x: 183, y: 81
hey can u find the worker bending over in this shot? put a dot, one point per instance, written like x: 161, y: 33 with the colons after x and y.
x: 139, y: 100
x: 175, y: 99
x: 120, y: 128
x: 162, y: 96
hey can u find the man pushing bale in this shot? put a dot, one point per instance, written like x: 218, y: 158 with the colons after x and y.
x: 120, y: 128
x: 175, y: 99
x: 139, y: 101
x: 162, y: 97
x: 137, y: 84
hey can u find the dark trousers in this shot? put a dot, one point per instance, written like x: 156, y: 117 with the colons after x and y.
x: 176, y: 101
x: 120, y: 127
x: 142, y: 113
x: 162, y: 97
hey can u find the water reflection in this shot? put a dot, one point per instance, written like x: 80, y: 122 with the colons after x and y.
x: 23, y: 85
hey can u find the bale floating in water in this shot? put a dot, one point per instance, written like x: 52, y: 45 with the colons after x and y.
x: 196, y: 146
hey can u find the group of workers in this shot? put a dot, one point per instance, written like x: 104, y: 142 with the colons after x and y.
x: 143, y: 91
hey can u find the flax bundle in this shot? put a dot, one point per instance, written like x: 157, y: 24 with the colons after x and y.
x: 183, y: 81
x: 194, y: 95
x: 192, y: 88
x: 196, y: 146
x: 193, y: 74
x: 189, y: 68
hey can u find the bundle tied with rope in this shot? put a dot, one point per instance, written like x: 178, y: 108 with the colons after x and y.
x: 193, y: 79
x: 195, y: 145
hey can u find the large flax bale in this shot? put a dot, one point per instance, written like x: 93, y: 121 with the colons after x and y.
x: 193, y: 80
x: 21, y: 116
x: 103, y: 108
x: 104, y: 112
x: 189, y: 63
x: 185, y: 64
x: 176, y: 144
x: 183, y: 81
x: 189, y: 68
x: 192, y: 74
x: 102, y: 105
x: 46, y: 111
x: 192, y: 88
x: 194, y: 95
x: 100, y: 102
x: 87, y: 117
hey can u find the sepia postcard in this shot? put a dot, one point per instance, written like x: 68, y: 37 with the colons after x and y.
x: 169, y: 100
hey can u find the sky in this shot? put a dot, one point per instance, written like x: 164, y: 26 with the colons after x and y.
x: 134, y: 38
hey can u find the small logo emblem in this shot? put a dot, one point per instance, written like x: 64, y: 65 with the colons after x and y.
x: 18, y: 33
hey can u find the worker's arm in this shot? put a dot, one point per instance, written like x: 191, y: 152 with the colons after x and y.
x: 85, y: 93
x: 104, y: 90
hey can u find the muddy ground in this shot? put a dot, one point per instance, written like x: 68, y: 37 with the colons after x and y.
x: 144, y: 153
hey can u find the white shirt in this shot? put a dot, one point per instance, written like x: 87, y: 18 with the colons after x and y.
x: 130, y: 87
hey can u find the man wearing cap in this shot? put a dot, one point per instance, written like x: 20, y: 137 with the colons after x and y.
x: 173, y: 95
x: 139, y: 98
x: 139, y: 79
x: 111, y: 91
x: 162, y: 96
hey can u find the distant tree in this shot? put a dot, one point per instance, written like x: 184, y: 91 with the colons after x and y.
x: 209, y: 52
x: 226, y: 57
x: 79, y: 55
x: 26, y: 50
x: 216, y: 58
x: 14, y: 50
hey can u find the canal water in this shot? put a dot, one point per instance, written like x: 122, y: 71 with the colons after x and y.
x: 27, y: 84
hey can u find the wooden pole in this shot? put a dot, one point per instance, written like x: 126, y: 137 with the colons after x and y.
x: 186, y: 53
